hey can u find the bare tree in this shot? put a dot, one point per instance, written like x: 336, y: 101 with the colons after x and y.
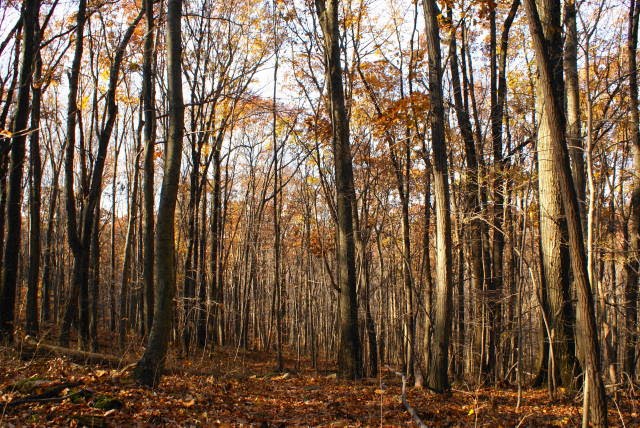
x: 149, y: 369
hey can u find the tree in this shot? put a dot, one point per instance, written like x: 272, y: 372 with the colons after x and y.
x: 30, y: 16
x: 149, y: 132
x: 595, y: 402
x: 35, y: 189
x: 632, y: 265
x: 148, y: 371
x: 437, y: 378
x: 349, y: 351
x: 80, y: 229
x: 556, y: 271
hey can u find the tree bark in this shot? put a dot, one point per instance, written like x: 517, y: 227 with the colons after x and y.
x: 597, y: 406
x: 556, y: 278
x: 437, y: 378
x: 11, y: 254
x: 632, y: 265
x: 149, y: 369
x: 149, y: 135
x: 35, y: 186
x: 349, y: 351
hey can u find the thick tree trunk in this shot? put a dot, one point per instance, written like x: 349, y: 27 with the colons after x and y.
x: 437, y: 378
x: 556, y: 280
x: 476, y: 230
x: 596, y: 398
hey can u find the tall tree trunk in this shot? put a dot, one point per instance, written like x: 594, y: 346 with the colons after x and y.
x: 149, y: 134
x: 11, y: 256
x: 149, y: 369
x: 35, y: 186
x: 595, y: 404
x: 556, y: 280
x: 47, y: 269
x: 498, y: 82
x: 437, y: 378
x: 215, y: 260
x: 83, y: 231
x: 94, y: 287
x: 476, y: 231
x: 277, y: 205
x: 70, y: 146
x: 127, y: 261
x: 5, y: 141
x: 572, y: 91
x: 349, y: 351
x: 632, y: 264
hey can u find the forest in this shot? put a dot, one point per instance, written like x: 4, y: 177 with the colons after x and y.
x: 328, y: 212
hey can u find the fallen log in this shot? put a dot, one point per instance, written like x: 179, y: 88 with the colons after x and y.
x: 47, y: 398
x: 29, y: 348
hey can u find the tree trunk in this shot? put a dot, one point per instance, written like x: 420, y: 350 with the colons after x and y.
x: 596, y: 403
x: 349, y: 352
x: 437, y: 378
x: 35, y: 186
x: 11, y: 254
x: 556, y: 280
x: 149, y: 369
x: 572, y: 91
x: 70, y: 143
x: 149, y: 134
x: 632, y: 264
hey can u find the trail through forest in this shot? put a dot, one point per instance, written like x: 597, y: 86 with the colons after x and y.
x: 242, y: 388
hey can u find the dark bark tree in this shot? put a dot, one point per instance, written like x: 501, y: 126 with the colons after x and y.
x: 35, y: 187
x: 149, y: 134
x: 149, y: 369
x: 476, y: 232
x: 349, y: 350
x: 70, y: 200
x: 11, y: 254
x: 498, y: 88
x: 80, y: 232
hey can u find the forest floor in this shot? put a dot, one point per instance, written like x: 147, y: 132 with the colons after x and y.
x: 232, y: 388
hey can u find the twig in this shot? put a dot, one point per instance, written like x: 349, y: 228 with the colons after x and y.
x: 619, y: 413
x: 411, y: 410
x: 522, y: 420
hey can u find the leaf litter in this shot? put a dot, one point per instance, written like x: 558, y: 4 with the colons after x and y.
x: 234, y: 388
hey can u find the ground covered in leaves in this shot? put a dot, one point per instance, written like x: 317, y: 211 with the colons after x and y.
x: 232, y: 387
